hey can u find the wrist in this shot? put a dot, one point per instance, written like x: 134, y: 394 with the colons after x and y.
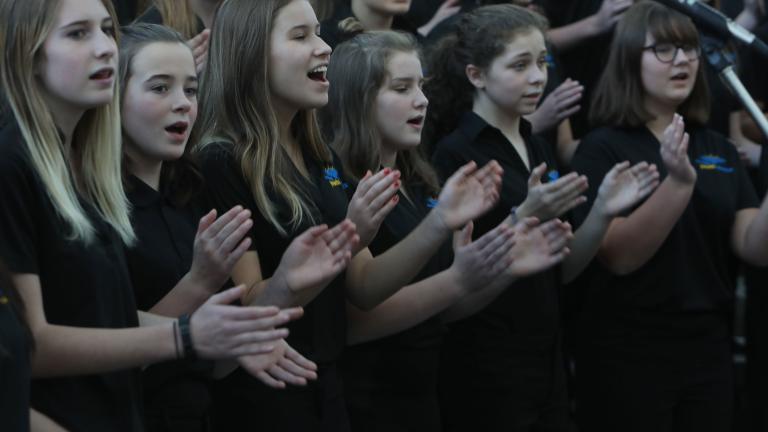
x: 436, y: 225
x: 682, y: 182
x: 463, y: 286
x: 600, y: 211
x: 185, y: 336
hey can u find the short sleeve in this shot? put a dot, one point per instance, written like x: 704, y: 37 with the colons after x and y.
x: 593, y: 160
x: 20, y: 210
x: 224, y: 186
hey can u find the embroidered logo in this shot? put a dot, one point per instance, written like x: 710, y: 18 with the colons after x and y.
x: 432, y: 202
x: 332, y: 176
x: 550, y: 61
x: 553, y: 175
x: 713, y: 163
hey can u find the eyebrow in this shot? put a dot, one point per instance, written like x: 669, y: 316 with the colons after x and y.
x: 169, y: 77
x: 86, y: 22
x: 304, y: 27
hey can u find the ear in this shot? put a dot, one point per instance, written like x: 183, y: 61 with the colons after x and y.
x: 475, y: 75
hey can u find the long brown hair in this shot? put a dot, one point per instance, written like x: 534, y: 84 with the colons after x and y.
x: 237, y: 108
x: 619, y: 98
x: 178, y: 15
x: 481, y: 35
x: 357, y: 71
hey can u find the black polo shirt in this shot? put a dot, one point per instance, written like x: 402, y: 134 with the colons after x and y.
x: 693, y: 272
x: 333, y: 36
x: 14, y: 367
x: 82, y: 286
x: 521, y: 326
x: 161, y: 257
x: 407, y: 361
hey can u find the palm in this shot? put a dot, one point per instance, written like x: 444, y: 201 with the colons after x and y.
x: 621, y: 193
x: 311, y: 263
x: 532, y: 252
x: 463, y: 203
x: 255, y: 364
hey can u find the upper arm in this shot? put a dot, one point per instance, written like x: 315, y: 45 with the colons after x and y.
x: 741, y: 222
x: 28, y: 286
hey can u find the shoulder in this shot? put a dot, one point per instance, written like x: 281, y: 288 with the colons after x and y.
x: 14, y: 160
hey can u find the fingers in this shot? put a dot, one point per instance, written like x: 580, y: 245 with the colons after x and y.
x: 228, y: 296
x: 200, y: 39
x: 369, y: 180
x: 297, y: 370
x: 268, y: 380
x: 238, y: 229
x: 279, y: 373
x: 465, y: 236
x: 248, y: 342
x: 461, y: 173
x: 536, y: 174
x: 206, y: 221
x: 619, y: 169
x: 317, y: 231
x: 222, y: 221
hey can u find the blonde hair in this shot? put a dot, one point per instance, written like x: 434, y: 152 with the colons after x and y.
x: 178, y: 15
x: 96, y: 139
x: 237, y: 108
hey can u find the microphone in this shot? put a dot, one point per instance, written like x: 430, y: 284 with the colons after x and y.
x: 714, y: 22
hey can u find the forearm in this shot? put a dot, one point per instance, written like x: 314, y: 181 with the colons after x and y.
x: 39, y: 422
x: 585, y: 244
x: 185, y: 297
x: 748, y: 19
x: 630, y: 242
x: 411, y: 305
x: 371, y: 281
x: 754, y: 240
x: 476, y: 301
x: 64, y: 351
x: 573, y: 34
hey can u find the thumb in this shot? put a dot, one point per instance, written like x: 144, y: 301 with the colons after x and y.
x: 466, y: 234
x: 536, y: 174
x: 228, y: 296
x: 206, y: 221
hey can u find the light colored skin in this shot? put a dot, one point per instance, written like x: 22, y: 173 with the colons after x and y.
x: 482, y: 269
x: 296, y: 49
x: 631, y: 241
x: 510, y: 87
x: 602, y: 21
x: 379, y: 14
x: 80, y: 44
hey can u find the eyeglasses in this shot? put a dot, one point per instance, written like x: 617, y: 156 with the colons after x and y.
x: 666, y: 52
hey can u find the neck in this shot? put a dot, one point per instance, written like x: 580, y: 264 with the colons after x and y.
x: 662, y: 117
x: 508, y: 124
x: 370, y: 19
x: 388, y: 157
x: 205, y: 10
x: 144, y: 169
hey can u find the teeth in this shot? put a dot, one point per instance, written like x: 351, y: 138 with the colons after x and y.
x: 319, y: 69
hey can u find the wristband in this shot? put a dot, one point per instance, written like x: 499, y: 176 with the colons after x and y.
x: 186, y: 338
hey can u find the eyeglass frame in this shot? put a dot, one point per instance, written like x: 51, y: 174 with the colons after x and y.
x: 697, y: 50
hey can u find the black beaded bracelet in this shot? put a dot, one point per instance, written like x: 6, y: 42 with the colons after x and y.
x: 186, y: 338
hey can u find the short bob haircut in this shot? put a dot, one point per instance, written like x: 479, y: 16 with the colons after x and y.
x: 619, y: 97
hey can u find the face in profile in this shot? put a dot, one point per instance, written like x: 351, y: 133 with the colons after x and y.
x: 160, y: 102
x: 401, y: 106
x: 78, y: 64
x: 298, y: 59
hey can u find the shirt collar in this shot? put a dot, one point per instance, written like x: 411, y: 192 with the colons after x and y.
x: 472, y: 125
x: 141, y: 194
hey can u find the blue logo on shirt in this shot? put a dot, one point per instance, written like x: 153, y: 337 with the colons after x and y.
x: 550, y: 61
x: 432, y: 202
x: 713, y: 163
x: 553, y: 175
x: 333, y: 178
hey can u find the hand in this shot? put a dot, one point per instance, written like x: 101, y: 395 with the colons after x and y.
x: 755, y: 7
x: 538, y: 247
x: 317, y: 256
x: 749, y: 152
x: 468, y: 194
x: 283, y: 365
x: 550, y: 200
x: 445, y: 11
x: 375, y: 197
x: 477, y: 263
x: 221, y: 331
x: 219, y: 244
x: 610, y: 13
x: 199, y: 47
x: 674, y: 152
x: 562, y: 103
x: 624, y: 187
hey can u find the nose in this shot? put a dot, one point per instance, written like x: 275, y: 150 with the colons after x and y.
x: 680, y: 56
x: 181, y: 102
x: 322, y: 49
x: 105, y: 46
x: 421, y: 100
x: 538, y: 74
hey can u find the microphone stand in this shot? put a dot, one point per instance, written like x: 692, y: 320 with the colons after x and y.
x: 713, y: 49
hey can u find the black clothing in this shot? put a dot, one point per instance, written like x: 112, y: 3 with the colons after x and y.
x: 661, y: 333
x: 126, y: 11
x: 320, y: 334
x: 390, y: 384
x: 14, y: 367
x: 176, y: 394
x: 517, y: 337
x: 83, y: 285
x: 333, y: 35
